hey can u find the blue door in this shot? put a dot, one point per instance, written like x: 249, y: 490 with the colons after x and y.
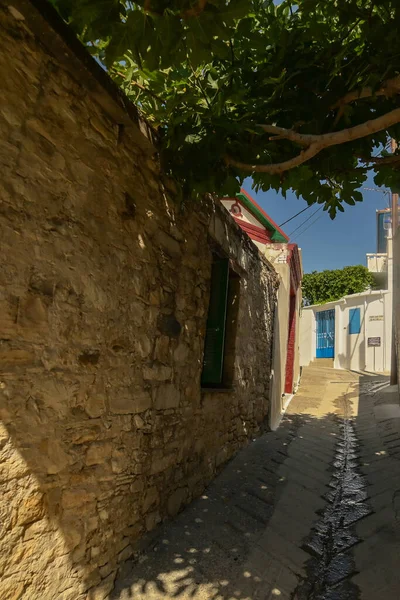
x: 325, y: 333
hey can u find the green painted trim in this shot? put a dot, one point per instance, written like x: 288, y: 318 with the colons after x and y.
x: 276, y: 236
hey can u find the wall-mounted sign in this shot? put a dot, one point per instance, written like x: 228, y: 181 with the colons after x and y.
x: 376, y: 318
x: 374, y: 341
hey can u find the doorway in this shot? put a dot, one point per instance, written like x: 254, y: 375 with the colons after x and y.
x: 325, y: 333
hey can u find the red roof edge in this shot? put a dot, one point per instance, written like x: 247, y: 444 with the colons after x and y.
x: 242, y: 191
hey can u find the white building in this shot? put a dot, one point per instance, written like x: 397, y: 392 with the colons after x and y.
x: 355, y: 331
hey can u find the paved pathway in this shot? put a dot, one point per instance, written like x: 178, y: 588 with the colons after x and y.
x: 307, y: 512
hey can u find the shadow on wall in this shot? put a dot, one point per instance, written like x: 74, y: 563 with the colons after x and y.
x: 92, y: 460
x: 354, y: 358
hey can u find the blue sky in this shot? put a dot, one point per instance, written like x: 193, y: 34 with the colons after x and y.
x: 327, y: 244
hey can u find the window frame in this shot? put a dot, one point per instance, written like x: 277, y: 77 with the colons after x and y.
x: 354, y: 320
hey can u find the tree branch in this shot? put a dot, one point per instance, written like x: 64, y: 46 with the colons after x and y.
x: 316, y: 143
x: 195, y: 11
x: 381, y: 160
x: 280, y: 133
x: 389, y: 88
x: 277, y: 168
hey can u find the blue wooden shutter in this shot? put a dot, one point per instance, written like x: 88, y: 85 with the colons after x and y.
x: 215, y: 334
x: 354, y: 320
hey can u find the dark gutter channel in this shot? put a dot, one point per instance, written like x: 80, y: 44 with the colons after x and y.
x: 332, y: 566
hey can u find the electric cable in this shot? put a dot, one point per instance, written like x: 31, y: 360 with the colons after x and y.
x: 296, y: 215
x: 306, y: 220
x: 312, y: 223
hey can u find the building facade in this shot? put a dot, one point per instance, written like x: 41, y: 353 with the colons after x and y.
x: 355, y: 332
x: 286, y: 259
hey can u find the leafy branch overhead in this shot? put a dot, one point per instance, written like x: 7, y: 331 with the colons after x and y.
x: 326, y: 286
x: 302, y: 96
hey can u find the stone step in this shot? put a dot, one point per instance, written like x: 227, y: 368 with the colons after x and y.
x: 322, y: 362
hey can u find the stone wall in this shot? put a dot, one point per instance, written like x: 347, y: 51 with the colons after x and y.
x: 104, y: 287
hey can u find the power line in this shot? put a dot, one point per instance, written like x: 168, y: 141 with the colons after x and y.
x: 386, y: 193
x: 312, y: 223
x: 296, y: 215
x: 305, y: 221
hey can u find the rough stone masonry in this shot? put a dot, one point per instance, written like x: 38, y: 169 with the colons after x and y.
x: 104, y: 291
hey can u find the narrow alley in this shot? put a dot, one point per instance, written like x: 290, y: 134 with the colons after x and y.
x: 194, y: 400
x: 307, y: 512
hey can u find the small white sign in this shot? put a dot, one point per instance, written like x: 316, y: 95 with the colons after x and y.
x: 376, y: 318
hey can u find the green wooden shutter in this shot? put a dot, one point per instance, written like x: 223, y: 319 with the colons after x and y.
x: 215, y: 334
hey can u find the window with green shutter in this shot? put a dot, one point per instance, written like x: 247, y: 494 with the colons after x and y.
x: 213, y: 361
x: 222, y: 321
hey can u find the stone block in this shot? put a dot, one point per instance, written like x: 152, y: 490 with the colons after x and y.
x: 161, y: 350
x: 106, y: 569
x: 161, y: 463
x: 167, y: 243
x: 152, y: 520
x: 33, y: 312
x: 167, y: 396
x: 75, y: 497
x: 15, y: 358
x: 176, y: 500
x: 181, y: 353
x: 137, y: 485
x: 151, y: 497
x: 103, y: 590
x: 95, y: 405
x: 157, y: 372
x: 53, y: 458
x: 98, y: 453
x: 38, y: 528
x: 125, y: 554
x: 31, y: 509
x: 138, y: 421
x: 142, y: 345
x: 120, y: 460
x: 129, y: 401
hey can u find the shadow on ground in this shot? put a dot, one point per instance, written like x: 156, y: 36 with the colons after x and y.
x: 204, y: 553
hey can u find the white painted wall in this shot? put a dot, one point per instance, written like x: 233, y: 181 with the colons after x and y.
x: 307, y: 336
x: 246, y: 215
x: 280, y: 345
x: 296, y: 370
x: 377, y: 263
x: 352, y: 350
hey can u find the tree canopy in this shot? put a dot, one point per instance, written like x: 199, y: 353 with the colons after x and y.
x: 326, y: 286
x: 301, y: 96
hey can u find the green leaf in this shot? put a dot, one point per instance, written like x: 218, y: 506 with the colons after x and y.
x: 236, y: 9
